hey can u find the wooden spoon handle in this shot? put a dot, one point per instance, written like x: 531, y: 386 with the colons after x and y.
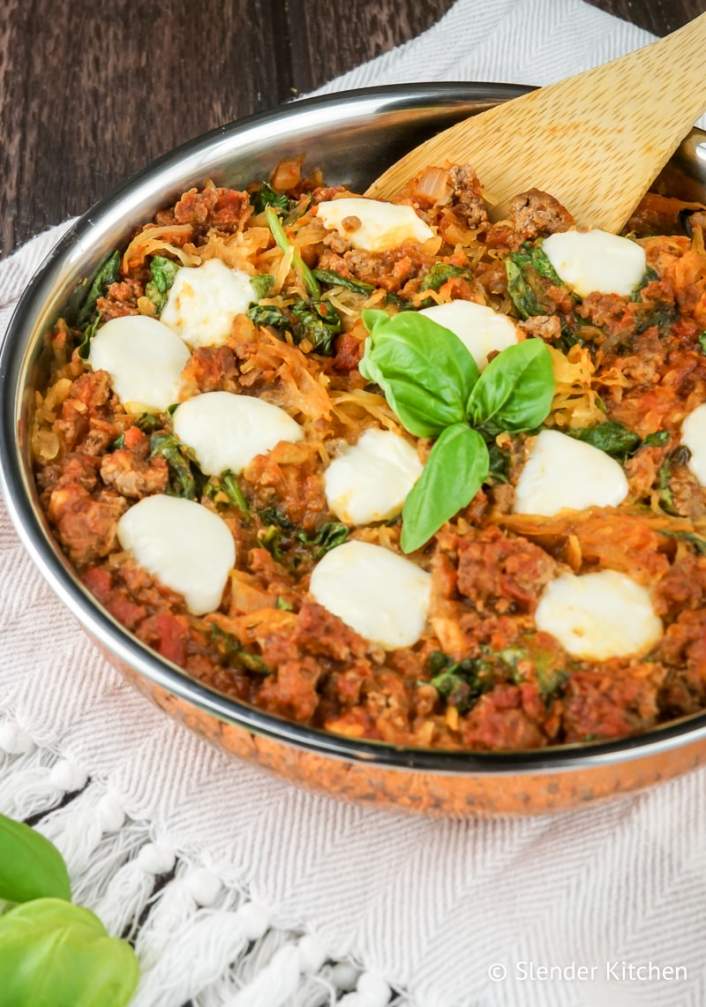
x: 595, y: 141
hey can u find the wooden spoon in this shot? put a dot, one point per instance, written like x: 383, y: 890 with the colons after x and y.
x: 595, y: 141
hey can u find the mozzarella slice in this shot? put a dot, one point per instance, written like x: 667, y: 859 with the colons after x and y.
x: 562, y: 472
x: 144, y: 359
x: 599, y: 615
x: 591, y: 261
x: 693, y: 435
x: 380, y: 595
x: 480, y: 329
x: 226, y: 431
x: 183, y: 544
x: 381, y: 225
x: 370, y: 480
x: 203, y: 301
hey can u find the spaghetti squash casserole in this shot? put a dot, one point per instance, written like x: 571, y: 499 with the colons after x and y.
x: 391, y: 469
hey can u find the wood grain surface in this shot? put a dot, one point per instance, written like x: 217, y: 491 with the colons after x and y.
x: 92, y: 89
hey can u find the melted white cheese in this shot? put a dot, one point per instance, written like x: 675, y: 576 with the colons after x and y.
x: 184, y: 545
x: 370, y: 480
x: 382, y: 225
x: 599, y: 615
x: 204, y: 300
x: 562, y: 472
x: 693, y: 435
x: 380, y: 595
x: 226, y: 431
x: 480, y: 329
x: 144, y: 359
x: 596, y: 260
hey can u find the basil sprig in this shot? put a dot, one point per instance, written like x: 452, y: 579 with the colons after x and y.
x: 425, y: 371
x: 51, y: 951
x: 434, y: 386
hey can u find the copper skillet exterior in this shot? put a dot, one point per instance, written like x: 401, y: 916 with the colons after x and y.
x: 352, y: 136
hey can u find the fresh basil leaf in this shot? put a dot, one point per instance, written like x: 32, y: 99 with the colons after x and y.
x: 424, y: 370
x: 702, y: 341
x: 455, y: 470
x: 515, y: 390
x: 162, y: 275
x: 333, y: 279
x: 262, y: 284
x: 613, y: 438
x: 54, y: 953
x: 107, y: 273
x: 30, y: 866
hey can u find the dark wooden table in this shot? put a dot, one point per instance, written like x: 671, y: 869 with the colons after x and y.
x: 92, y: 89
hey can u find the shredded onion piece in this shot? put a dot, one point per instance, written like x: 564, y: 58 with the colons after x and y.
x: 432, y: 186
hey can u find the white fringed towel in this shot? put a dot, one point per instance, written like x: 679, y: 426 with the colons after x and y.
x: 277, y: 897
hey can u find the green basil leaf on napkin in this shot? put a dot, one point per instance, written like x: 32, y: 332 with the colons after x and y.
x: 454, y: 472
x: 30, y: 866
x: 56, y: 954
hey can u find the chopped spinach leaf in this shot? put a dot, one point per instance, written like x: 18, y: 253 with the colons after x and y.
x: 274, y: 516
x: 107, y: 273
x: 233, y: 491
x: 656, y: 440
x: 227, y: 486
x: 439, y: 273
x: 308, y: 279
x: 551, y: 681
x: 268, y: 314
x: 162, y: 274
x: 679, y: 457
x: 696, y: 541
x: 148, y: 422
x: 267, y: 196
x: 525, y: 270
x: 84, y: 347
x: 184, y: 475
x: 262, y: 284
x: 649, y: 277
x: 702, y: 341
x: 234, y: 654
x: 399, y: 302
x: 330, y: 535
x: 460, y: 683
x: 613, y: 438
x: 333, y: 279
x: 318, y: 322
x: 290, y: 544
x: 659, y: 314
x: 88, y: 318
